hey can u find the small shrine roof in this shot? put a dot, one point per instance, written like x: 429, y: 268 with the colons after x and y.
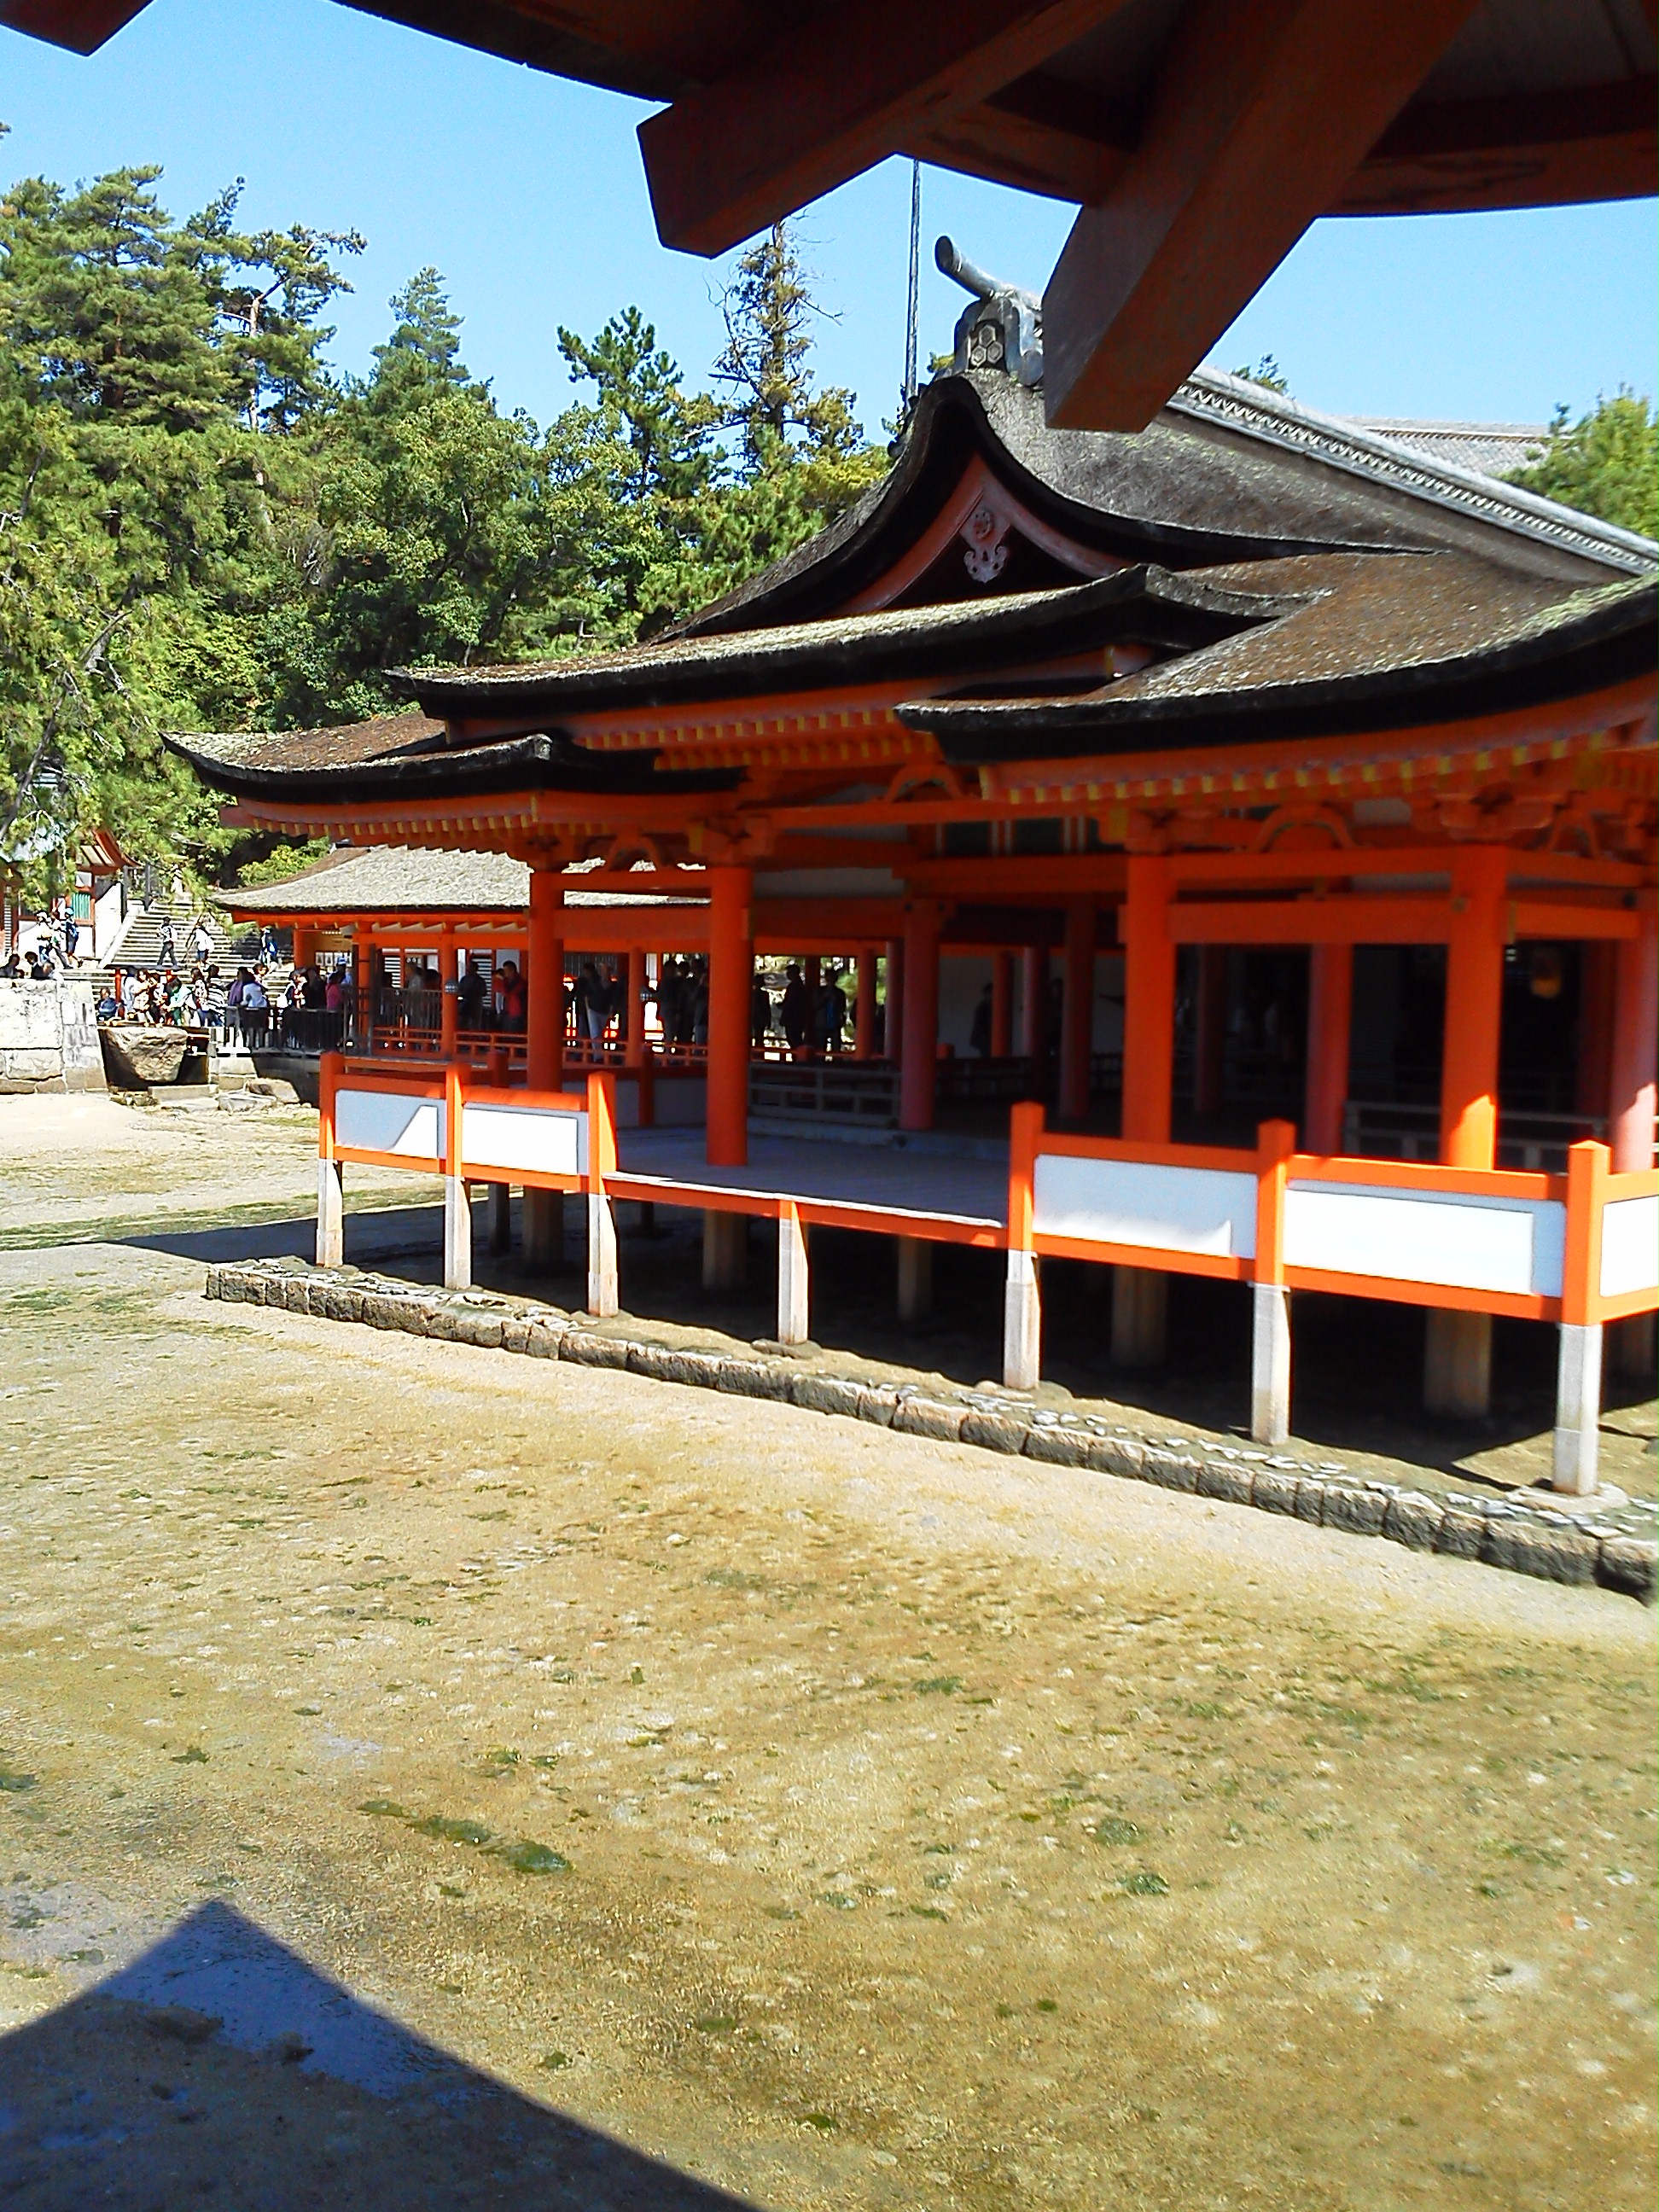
x: 414, y: 880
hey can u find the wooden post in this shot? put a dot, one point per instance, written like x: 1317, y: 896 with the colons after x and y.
x: 892, y: 1042
x: 1575, y: 1455
x: 1330, y: 1007
x: 449, y: 1000
x: 918, y: 1067
x: 1457, y: 1352
x: 794, y: 1302
x: 725, y: 1249
x: 1140, y: 1295
x: 1630, y: 1099
x: 730, y: 985
x: 1270, y: 1301
x: 457, y: 1199
x: 1022, y: 1304
x: 1598, y: 963
x: 601, y: 1222
x: 635, y: 1053
x: 330, y: 1190
x: 362, y: 981
x: 864, y: 1011
x: 915, y: 1278
x: 1077, y: 1010
x: 544, y: 984
x: 1034, y: 1008
x: 1002, y: 1006
x: 1210, y: 1038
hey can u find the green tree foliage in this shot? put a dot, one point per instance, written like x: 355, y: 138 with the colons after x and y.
x: 1605, y: 464
x: 201, y: 527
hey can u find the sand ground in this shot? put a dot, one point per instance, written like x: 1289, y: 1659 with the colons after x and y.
x: 565, y: 1789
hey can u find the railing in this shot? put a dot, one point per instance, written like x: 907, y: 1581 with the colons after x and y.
x: 1580, y: 1249
x: 1385, y: 1129
x: 861, y: 1093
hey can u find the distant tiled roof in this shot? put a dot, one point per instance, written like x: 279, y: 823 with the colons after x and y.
x: 406, y: 879
x: 1485, y: 449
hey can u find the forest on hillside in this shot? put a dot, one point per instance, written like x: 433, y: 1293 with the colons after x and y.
x: 204, y: 526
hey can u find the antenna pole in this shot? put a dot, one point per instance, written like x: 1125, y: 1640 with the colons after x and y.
x: 913, y: 303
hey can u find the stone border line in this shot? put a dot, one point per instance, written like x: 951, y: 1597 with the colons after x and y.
x: 1555, y: 1547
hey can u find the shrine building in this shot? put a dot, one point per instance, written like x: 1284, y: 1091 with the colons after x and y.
x: 1292, y: 795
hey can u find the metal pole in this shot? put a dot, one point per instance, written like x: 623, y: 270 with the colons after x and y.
x: 913, y: 303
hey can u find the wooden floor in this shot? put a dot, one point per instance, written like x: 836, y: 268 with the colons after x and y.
x: 963, y: 1182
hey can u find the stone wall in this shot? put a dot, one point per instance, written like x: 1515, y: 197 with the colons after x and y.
x: 49, y: 1036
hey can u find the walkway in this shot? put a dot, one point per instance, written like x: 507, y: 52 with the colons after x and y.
x: 933, y: 1179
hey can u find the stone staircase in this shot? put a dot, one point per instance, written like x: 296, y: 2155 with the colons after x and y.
x: 139, y: 944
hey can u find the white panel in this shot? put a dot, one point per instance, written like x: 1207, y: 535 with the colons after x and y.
x: 1630, y: 1246
x: 1208, y: 1210
x: 1454, y: 1237
x: 383, y: 1121
x: 532, y: 1137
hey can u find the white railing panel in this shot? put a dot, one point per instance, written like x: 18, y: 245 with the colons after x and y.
x: 385, y: 1122
x: 539, y: 1137
x: 1630, y: 1246
x: 1205, y: 1210
x: 1466, y: 1242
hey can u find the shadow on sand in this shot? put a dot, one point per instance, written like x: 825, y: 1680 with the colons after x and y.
x: 219, y: 2068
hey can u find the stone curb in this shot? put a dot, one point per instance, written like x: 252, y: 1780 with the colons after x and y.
x: 1552, y: 1548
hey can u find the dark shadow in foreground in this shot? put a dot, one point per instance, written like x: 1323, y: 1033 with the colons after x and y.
x: 219, y: 2068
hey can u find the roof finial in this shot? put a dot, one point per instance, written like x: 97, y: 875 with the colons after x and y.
x: 1002, y: 326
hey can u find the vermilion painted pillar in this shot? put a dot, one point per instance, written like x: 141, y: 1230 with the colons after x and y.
x: 544, y: 1015
x: 918, y: 1068
x: 1210, y: 1028
x: 542, y: 1219
x: 1330, y: 1009
x: 1457, y: 1362
x: 1630, y: 1102
x: 864, y: 1011
x: 730, y: 984
x: 893, y: 1025
x: 635, y: 1054
x: 1034, y: 1007
x: 1002, y: 1005
x: 1140, y: 1295
x: 1077, y: 1010
x: 448, y: 1004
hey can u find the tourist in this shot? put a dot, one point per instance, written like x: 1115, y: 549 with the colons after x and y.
x: 794, y: 1010
x: 471, y: 992
x: 169, y: 953
x: 760, y: 1013
x: 218, y: 1017
x: 71, y: 935
x: 509, y: 997
x: 252, y: 1009
x: 979, y: 1036
x: 201, y: 942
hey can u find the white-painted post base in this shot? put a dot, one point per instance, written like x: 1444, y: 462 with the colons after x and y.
x: 601, y: 1257
x: 543, y: 1220
x: 330, y: 1214
x: 1140, y: 1316
x: 915, y: 1278
x: 458, y: 1234
x: 793, y: 1288
x: 1022, y: 1324
x: 1270, y: 1363
x: 1578, y: 1409
x: 501, y: 1218
x: 725, y: 1250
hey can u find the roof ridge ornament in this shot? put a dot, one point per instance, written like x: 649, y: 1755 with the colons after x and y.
x: 1002, y: 325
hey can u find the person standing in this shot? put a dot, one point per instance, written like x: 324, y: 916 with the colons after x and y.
x: 169, y: 955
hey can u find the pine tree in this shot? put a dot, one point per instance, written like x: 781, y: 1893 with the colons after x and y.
x: 1606, y: 463
x: 769, y: 311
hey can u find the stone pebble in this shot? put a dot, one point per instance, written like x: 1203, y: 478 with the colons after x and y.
x: 1550, y: 1546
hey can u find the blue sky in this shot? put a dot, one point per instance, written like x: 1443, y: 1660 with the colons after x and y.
x: 527, y: 193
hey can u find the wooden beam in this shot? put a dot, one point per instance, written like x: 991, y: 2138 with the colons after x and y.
x: 1262, y: 111
x: 1594, y: 141
x: 82, y: 26
x: 837, y: 91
